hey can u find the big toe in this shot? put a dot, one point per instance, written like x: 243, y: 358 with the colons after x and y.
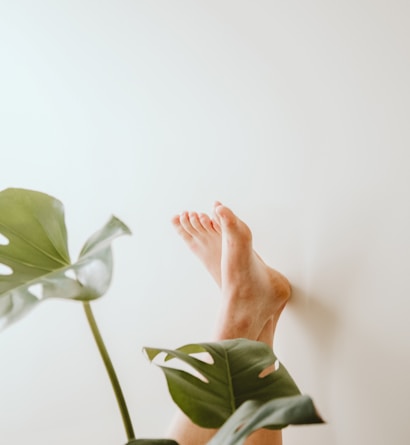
x: 232, y: 226
x: 226, y: 217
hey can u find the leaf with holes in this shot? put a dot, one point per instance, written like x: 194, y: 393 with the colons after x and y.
x: 209, y: 391
x: 274, y: 414
x: 34, y: 259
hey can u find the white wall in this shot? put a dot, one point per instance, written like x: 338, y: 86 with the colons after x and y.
x: 294, y: 113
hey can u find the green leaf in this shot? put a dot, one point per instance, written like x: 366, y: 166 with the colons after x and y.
x: 34, y: 260
x: 210, y: 394
x: 274, y: 414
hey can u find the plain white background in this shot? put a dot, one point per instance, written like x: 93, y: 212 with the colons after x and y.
x: 294, y: 113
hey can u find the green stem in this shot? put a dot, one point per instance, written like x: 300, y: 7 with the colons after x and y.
x: 110, y: 370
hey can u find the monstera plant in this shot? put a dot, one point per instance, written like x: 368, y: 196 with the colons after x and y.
x: 239, y: 386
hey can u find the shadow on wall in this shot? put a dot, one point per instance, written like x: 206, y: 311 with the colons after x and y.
x: 318, y: 319
x: 319, y: 327
x: 359, y: 375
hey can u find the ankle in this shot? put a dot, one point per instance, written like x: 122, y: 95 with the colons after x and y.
x: 239, y: 323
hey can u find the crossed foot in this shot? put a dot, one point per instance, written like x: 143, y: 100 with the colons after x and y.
x: 255, y: 294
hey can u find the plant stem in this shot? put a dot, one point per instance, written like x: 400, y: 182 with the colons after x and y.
x: 111, y: 372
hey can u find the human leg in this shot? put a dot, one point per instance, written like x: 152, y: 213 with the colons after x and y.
x: 253, y: 294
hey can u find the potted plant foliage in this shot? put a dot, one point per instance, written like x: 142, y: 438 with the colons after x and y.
x: 227, y: 392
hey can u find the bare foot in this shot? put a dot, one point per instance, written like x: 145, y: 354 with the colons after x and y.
x: 255, y: 294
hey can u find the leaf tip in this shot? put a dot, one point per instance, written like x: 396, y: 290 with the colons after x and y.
x: 120, y: 224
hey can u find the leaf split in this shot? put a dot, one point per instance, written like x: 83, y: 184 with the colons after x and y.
x: 34, y: 260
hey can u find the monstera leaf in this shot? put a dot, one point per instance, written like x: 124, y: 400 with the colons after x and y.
x: 238, y: 370
x: 253, y: 415
x: 34, y: 260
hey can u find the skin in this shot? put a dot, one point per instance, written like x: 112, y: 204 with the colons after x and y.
x: 253, y: 295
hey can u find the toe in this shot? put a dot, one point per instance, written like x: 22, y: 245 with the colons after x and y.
x: 215, y: 217
x: 206, y: 222
x: 176, y: 222
x: 226, y: 217
x: 195, y: 222
x: 232, y: 226
x: 186, y: 224
x: 216, y: 226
